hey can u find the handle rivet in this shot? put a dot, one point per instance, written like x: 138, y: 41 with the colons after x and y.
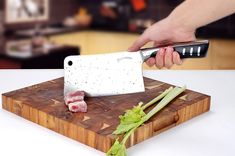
x: 183, y: 53
x: 198, y: 51
x: 191, y: 51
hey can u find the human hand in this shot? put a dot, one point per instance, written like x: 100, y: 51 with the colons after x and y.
x: 164, y: 33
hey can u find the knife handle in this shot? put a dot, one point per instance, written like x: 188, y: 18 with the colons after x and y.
x: 196, y: 49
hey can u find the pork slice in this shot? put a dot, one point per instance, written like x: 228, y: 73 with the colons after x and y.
x: 74, y: 96
x: 75, y: 101
x: 78, y: 106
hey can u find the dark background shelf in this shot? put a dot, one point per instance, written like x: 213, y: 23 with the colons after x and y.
x: 156, y: 10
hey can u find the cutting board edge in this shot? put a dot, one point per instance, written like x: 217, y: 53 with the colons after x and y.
x: 63, y: 127
x: 72, y: 130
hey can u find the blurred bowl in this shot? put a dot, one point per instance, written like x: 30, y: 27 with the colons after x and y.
x: 83, y: 20
x: 70, y: 22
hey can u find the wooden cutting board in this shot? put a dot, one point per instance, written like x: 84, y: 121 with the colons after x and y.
x: 43, y: 104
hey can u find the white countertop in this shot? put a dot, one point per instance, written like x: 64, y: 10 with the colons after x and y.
x: 210, y: 134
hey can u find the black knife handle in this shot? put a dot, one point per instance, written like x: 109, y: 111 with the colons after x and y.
x: 196, y: 49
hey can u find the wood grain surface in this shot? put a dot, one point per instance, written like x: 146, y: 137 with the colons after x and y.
x: 43, y: 104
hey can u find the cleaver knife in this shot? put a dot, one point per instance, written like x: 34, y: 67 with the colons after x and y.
x: 120, y: 72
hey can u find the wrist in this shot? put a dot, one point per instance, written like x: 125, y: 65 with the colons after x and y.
x: 180, y: 30
x: 180, y: 23
x: 180, y: 19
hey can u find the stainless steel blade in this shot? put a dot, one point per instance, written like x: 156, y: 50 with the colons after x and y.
x: 104, y: 74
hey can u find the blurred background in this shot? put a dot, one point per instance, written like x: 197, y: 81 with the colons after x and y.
x: 38, y: 34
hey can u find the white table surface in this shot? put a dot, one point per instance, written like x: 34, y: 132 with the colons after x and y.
x: 210, y: 134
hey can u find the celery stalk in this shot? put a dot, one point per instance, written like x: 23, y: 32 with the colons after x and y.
x: 131, y: 118
x: 157, y: 98
x: 166, y: 100
x: 118, y: 149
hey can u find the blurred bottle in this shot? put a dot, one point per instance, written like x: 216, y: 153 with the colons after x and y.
x: 139, y: 5
x: 83, y: 18
x: 108, y: 9
x: 1, y: 23
x: 37, y: 39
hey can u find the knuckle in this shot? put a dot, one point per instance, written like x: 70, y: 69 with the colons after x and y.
x: 168, y: 65
x: 178, y: 63
x: 159, y: 66
x: 149, y: 64
x: 169, y: 54
x: 170, y: 49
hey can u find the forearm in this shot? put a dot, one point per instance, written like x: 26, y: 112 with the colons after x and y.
x: 192, y: 14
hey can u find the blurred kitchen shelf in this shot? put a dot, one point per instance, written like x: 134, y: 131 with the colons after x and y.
x: 45, y: 31
x: 220, y: 55
x: 50, y: 56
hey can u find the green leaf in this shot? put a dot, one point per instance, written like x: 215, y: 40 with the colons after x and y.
x: 122, y: 128
x: 130, y: 119
x: 117, y: 149
x: 133, y: 115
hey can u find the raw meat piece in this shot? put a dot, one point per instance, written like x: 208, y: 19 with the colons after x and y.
x: 75, y: 101
x: 74, y: 96
x: 78, y: 106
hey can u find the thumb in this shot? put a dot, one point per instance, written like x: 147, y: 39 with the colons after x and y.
x: 141, y: 41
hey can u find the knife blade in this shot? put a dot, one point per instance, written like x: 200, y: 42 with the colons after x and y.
x: 120, y: 72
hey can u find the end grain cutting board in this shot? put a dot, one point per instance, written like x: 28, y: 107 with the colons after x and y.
x: 43, y: 104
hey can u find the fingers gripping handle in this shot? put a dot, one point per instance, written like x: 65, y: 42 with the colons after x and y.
x: 197, y: 49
